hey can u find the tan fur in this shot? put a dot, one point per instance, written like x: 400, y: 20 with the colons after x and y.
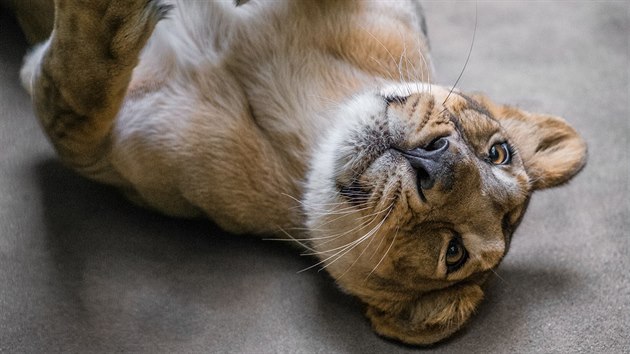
x: 293, y: 117
x: 545, y: 141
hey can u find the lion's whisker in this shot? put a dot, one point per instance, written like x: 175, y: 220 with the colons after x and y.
x: 314, y: 206
x: 370, y: 205
x: 391, y: 77
x: 363, y: 224
x: 373, y: 217
x: 291, y: 239
x: 426, y: 66
x: 301, y: 241
x: 336, y: 236
x: 343, y: 248
x: 358, y: 241
x: 323, y: 206
x: 387, y: 251
x: 386, y: 49
x: 344, y: 211
x: 492, y: 270
x: 403, y: 54
x: 369, y: 243
x: 472, y: 43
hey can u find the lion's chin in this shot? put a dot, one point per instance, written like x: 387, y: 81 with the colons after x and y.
x: 428, y: 319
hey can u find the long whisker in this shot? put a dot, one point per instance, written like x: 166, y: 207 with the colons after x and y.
x: 387, y: 50
x: 320, y: 229
x: 472, y: 43
x: 333, y: 237
x: 403, y: 55
x: 301, y: 241
x: 365, y: 248
x: 325, y: 207
x: 409, y: 63
x: 347, y: 246
x: 291, y: 238
x: 426, y: 66
x: 360, y: 240
x: 391, y: 77
x: 386, y: 252
x: 362, y: 225
x: 352, y: 210
x: 342, y: 211
x: 315, y: 206
x: 370, y: 204
x: 493, y: 271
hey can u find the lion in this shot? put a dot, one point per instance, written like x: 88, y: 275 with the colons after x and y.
x: 311, y: 121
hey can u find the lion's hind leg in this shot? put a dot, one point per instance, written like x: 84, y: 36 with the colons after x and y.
x: 79, y: 77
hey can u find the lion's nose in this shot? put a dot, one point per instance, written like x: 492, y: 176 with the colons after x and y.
x: 429, y: 162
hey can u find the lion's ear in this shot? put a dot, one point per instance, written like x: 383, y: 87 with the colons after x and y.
x: 551, y: 150
x: 429, y: 319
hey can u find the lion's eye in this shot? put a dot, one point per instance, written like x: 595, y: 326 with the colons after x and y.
x: 500, y: 154
x: 456, y: 255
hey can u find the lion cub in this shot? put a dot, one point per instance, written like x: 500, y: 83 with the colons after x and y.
x: 303, y: 115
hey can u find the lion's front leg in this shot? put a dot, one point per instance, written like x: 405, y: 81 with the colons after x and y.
x: 79, y: 78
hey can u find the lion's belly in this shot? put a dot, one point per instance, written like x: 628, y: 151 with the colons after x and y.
x: 230, y: 133
x: 190, y: 146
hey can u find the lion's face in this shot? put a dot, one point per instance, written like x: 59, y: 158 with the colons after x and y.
x: 413, y: 198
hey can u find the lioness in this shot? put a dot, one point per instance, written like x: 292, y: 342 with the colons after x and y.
x: 315, y: 121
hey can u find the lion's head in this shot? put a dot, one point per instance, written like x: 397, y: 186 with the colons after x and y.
x: 413, y: 197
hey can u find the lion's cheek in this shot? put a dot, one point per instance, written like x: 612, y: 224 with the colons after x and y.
x: 429, y: 319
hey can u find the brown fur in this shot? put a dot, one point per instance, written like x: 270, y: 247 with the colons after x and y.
x: 251, y: 129
x: 544, y: 141
x: 408, y: 297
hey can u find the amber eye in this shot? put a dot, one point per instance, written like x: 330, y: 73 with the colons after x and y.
x: 456, y: 255
x: 500, y: 154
